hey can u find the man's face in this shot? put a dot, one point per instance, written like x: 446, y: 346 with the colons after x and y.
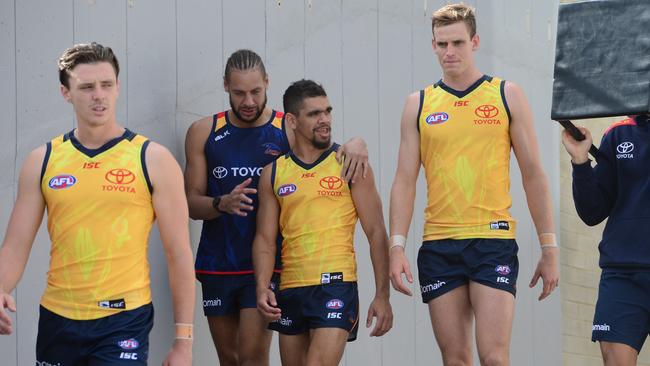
x: 314, y: 122
x: 454, y: 48
x: 93, y: 90
x: 247, y: 90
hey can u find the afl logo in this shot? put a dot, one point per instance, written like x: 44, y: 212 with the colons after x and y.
x: 120, y: 176
x: 62, y: 181
x: 486, y: 111
x: 219, y: 172
x: 502, y: 270
x: 286, y: 189
x: 625, y: 147
x: 437, y: 118
x: 129, y: 344
x: 331, y: 183
x: 334, y: 304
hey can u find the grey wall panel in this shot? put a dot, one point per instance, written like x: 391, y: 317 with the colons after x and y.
x: 43, y: 31
x: 394, y: 85
x: 323, y: 56
x: 8, y: 348
x: 360, y: 72
x: 104, y: 21
x: 8, y: 94
x: 151, y: 65
x: 285, y: 47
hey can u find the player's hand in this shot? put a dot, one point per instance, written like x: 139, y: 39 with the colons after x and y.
x: 399, y: 265
x: 180, y: 354
x: 381, y: 310
x: 267, y: 305
x: 354, y: 156
x: 6, y: 302
x: 547, y: 269
x: 577, y: 149
x: 237, y: 202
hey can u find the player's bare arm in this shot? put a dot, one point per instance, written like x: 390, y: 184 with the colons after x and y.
x: 201, y: 205
x: 354, y: 156
x: 23, y: 224
x: 264, y: 245
x: 170, y: 207
x: 368, y: 205
x: 535, y: 182
x: 402, y: 195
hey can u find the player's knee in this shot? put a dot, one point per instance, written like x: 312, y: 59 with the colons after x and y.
x: 457, y: 358
x: 494, y: 359
x: 228, y: 358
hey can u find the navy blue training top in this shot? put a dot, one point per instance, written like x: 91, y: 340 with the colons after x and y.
x: 234, y: 154
x: 618, y: 187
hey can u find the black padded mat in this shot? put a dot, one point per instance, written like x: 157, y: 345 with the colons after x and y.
x: 602, y: 59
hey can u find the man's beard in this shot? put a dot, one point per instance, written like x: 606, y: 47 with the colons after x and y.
x: 322, y: 144
x: 241, y: 118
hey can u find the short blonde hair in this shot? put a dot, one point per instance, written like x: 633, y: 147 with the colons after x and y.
x: 454, y: 13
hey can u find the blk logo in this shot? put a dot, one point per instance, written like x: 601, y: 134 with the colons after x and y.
x: 486, y: 111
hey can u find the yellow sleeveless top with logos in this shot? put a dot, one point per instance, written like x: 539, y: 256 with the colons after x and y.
x: 100, y: 213
x: 317, y: 221
x: 465, y: 151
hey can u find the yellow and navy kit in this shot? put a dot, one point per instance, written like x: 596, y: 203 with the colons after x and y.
x: 100, y: 213
x: 317, y: 221
x: 465, y: 150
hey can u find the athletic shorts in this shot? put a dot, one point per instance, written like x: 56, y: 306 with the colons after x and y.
x: 623, y: 308
x: 334, y: 305
x: 119, y: 339
x: 444, y: 265
x: 227, y: 294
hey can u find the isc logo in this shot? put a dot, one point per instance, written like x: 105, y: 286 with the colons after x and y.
x: 62, y: 181
x: 333, y: 315
x: 503, y: 280
x: 128, y: 355
x: 286, y: 189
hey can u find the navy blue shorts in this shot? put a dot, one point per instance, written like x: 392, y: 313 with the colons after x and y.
x: 444, y: 265
x: 623, y: 308
x: 119, y: 339
x: 335, y: 305
x: 227, y: 294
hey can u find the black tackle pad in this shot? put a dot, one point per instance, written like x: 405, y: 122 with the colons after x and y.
x: 602, y: 59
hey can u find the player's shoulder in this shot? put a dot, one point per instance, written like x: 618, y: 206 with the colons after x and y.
x: 618, y: 124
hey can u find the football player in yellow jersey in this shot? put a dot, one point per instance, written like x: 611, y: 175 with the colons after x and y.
x: 317, y: 306
x: 97, y: 309
x: 461, y: 130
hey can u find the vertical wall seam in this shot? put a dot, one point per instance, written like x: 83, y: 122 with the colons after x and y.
x: 126, y: 58
x: 14, y: 183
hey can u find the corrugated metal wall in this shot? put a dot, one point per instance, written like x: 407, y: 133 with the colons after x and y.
x: 368, y: 54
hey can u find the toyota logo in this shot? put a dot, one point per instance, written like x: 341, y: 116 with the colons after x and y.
x: 219, y: 172
x: 120, y: 176
x: 486, y: 111
x: 625, y: 147
x: 331, y: 182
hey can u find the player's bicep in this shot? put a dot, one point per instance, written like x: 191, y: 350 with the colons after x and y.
x: 195, y: 160
x: 522, y: 130
x: 368, y: 203
x: 408, y: 163
x: 268, y: 211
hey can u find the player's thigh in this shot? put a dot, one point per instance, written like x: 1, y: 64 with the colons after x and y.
x: 326, y: 346
x: 225, y: 335
x: 293, y: 349
x: 451, y: 320
x: 618, y: 354
x: 493, y: 310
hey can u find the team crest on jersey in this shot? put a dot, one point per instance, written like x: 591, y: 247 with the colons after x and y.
x: 286, y: 189
x: 271, y: 149
x: 129, y: 344
x: 437, y: 118
x: 62, y: 181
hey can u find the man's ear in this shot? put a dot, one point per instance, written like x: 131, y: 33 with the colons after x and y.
x: 65, y: 92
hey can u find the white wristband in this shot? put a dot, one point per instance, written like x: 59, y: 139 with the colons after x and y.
x: 397, y: 241
x: 548, y: 246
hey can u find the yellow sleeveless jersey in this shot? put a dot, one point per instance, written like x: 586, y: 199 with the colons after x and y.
x: 465, y: 151
x: 317, y: 221
x: 99, y: 217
